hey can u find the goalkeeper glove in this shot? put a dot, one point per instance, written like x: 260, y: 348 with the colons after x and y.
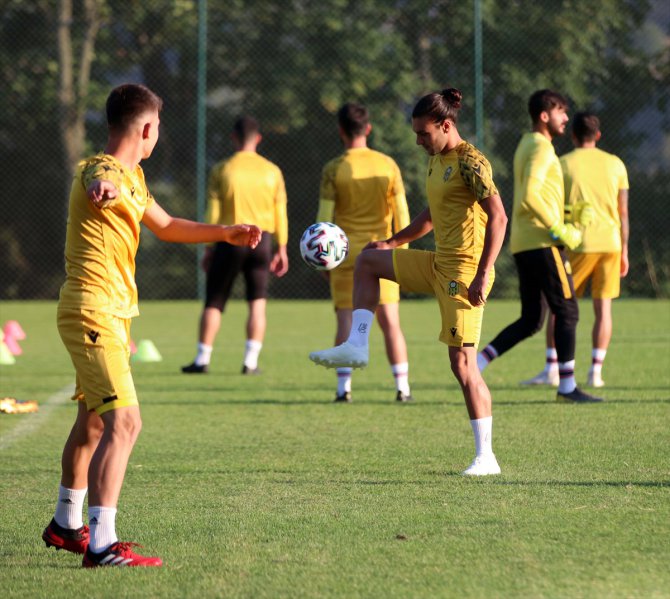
x: 580, y: 213
x: 568, y: 234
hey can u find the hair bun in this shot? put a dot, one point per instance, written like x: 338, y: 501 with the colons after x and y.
x: 453, y: 96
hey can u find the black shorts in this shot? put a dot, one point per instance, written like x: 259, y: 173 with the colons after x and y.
x: 227, y: 262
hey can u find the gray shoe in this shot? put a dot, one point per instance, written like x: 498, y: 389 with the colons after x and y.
x: 404, y: 398
x: 577, y: 396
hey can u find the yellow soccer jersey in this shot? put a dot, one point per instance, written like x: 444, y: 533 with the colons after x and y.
x: 364, y: 189
x: 247, y: 188
x: 591, y: 175
x: 456, y: 183
x: 101, y: 243
x: 538, y: 193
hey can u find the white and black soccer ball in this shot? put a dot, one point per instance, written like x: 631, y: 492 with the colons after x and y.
x: 324, y: 246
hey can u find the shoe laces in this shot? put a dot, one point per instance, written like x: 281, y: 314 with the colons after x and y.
x: 125, y: 547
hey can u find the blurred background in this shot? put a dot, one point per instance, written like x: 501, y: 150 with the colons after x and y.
x: 292, y: 63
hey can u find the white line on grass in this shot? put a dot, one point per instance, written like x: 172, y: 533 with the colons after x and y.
x: 33, y: 421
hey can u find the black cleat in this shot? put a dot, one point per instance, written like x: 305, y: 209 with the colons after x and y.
x: 250, y: 371
x: 404, y: 398
x: 195, y: 369
x: 577, y: 396
x: 344, y: 398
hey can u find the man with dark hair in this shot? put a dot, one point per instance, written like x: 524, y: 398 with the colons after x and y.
x: 538, y: 237
x: 244, y: 187
x: 108, y: 201
x: 596, y: 178
x: 467, y: 215
x: 362, y: 192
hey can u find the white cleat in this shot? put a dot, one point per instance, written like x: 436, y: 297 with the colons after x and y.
x: 550, y: 378
x: 482, y: 466
x: 345, y: 355
x: 595, y: 380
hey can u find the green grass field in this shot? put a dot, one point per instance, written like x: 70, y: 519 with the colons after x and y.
x: 261, y: 487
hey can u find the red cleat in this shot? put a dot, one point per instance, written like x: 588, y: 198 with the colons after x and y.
x: 70, y: 539
x: 119, y: 554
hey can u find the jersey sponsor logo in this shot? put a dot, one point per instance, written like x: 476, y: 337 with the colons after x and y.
x: 93, y: 335
x: 453, y: 288
x: 447, y: 174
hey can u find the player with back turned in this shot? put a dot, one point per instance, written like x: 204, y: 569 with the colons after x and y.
x: 108, y: 201
x: 467, y: 216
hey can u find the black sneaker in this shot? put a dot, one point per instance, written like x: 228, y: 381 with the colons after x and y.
x: 344, y: 398
x: 404, y: 397
x: 577, y: 396
x: 194, y: 369
x: 250, y: 371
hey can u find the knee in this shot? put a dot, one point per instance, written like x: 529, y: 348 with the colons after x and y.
x: 127, y: 425
x: 532, y: 323
x: 459, y: 366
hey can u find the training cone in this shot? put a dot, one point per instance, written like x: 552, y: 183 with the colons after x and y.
x: 6, y: 357
x: 133, y: 347
x: 147, y: 352
x: 13, y: 346
x: 13, y: 329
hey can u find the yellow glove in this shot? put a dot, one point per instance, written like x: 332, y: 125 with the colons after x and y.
x: 580, y: 213
x: 568, y: 234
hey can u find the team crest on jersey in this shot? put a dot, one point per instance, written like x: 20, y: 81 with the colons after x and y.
x: 447, y: 174
x: 453, y: 288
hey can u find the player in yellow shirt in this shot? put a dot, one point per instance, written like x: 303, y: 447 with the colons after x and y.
x: 538, y: 237
x: 108, y: 201
x: 243, y: 188
x: 600, y: 180
x: 467, y: 216
x: 362, y: 192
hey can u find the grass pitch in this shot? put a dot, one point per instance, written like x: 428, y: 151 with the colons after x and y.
x: 261, y: 487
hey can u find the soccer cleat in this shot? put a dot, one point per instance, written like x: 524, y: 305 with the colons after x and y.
x: 344, y: 398
x: 482, y: 466
x: 250, y: 371
x: 345, y: 355
x: 577, y: 396
x: 595, y: 380
x: 74, y: 540
x: 119, y: 554
x: 404, y: 397
x: 193, y: 368
x: 550, y: 378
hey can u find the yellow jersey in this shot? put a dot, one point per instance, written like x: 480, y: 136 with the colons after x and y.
x: 538, y: 194
x: 363, y: 193
x: 456, y: 183
x: 247, y: 188
x: 101, y: 243
x: 594, y: 176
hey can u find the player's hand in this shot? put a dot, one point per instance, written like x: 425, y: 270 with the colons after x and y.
x: 477, y: 289
x: 102, y: 193
x: 206, y: 261
x: 566, y: 233
x: 249, y: 235
x: 623, y: 271
x: 279, y: 264
x: 381, y: 244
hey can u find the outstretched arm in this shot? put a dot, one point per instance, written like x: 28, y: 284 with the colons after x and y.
x: 420, y: 226
x: 180, y: 230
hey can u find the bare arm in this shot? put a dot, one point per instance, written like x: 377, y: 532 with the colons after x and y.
x: 420, y: 226
x: 623, y: 216
x: 180, y: 230
x: 493, y: 240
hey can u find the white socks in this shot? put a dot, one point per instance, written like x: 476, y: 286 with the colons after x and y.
x: 101, y: 521
x: 204, y: 355
x: 401, y: 373
x: 566, y: 372
x: 551, y: 363
x: 69, y: 507
x: 485, y: 356
x: 361, y: 322
x: 482, y: 429
x: 597, y: 359
x: 252, y: 349
x: 343, y: 380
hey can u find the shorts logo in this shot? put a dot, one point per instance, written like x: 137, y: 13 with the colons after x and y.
x: 447, y: 174
x: 93, y: 335
x: 453, y: 331
x: 453, y: 288
x: 430, y: 171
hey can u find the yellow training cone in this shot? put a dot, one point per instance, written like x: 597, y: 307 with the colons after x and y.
x: 6, y: 356
x: 146, y: 352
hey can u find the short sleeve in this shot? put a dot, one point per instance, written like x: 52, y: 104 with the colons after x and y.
x: 476, y: 173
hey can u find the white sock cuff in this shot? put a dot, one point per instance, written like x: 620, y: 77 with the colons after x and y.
x: 400, y: 368
x: 253, y: 344
x: 598, y: 354
x: 551, y: 353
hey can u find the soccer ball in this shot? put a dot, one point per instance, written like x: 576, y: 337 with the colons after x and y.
x: 324, y: 246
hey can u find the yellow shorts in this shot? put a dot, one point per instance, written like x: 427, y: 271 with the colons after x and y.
x: 602, y: 269
x: 99, y: 346
x: 461, y: 321
x: 342, y: 284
